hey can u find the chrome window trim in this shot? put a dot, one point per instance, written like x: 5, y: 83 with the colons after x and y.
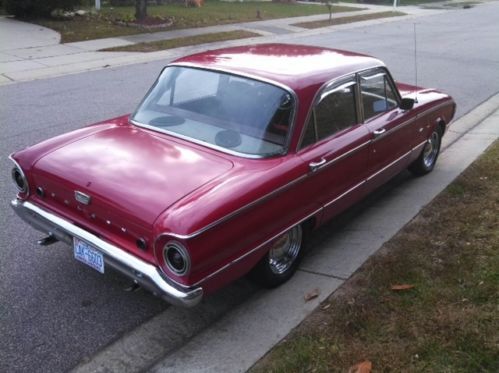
x: 285, y: 148
x: 327, y: 92
x: 325, y: 86
x: 374, y: 76
x: 349, y: 82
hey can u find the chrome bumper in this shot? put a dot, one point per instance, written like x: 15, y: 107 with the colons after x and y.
x: 143, y: 273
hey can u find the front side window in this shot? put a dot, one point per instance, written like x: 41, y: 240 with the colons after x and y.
x: 334, y: 113
x: 230, y: 112
x: 377, y: 93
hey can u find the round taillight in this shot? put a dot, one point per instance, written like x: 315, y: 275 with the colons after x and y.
x: 176, y: 258
x: 19, y: 180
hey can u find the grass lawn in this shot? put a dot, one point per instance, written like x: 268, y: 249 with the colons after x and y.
x: 351, y: 19
x: 390, y: 2
x: 212, y: 13
x: 185, y: 41
x: 446, y: 320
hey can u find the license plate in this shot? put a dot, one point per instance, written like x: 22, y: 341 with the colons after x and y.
x: 85, y: 253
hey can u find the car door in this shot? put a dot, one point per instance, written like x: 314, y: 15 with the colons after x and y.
x: 392, y: 129
x: 335, y: 148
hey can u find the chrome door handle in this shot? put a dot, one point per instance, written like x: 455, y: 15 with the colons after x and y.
x: 314, y: 166
x: 379, y: 132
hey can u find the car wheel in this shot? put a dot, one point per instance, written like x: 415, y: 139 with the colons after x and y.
x: 282, y: 259
x: 428, y: 157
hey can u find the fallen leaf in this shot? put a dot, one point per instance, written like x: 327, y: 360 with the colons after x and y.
x: 402, y: 287
x: 311, y: 295
x: 362, y: 367
x: 326, y: 306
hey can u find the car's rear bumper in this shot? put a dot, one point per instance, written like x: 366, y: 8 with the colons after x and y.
x: 143, y: 273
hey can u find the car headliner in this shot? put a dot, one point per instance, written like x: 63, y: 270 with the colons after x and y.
x: 295, y: 66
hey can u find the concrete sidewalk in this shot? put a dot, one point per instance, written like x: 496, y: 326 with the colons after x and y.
x: 29, y: 52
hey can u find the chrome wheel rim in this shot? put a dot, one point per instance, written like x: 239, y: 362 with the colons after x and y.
x: 430, y: 150
x: 285, y: 250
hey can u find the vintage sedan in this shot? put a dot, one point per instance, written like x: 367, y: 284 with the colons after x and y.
x: 231, y: 159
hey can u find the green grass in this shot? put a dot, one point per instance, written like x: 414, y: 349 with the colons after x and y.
x: 351, y: 19
x: 390, y: 2
x: 185, y: 41
x: 213, y: 12
x: 448, y: 322
x: 220, y: 12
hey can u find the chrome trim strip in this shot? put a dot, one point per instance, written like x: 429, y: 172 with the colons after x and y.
x: 262, y: 199
x: 395, y: 129
x: 345, y: 155
x: 420, y: 145
x: 146, y: 274
x: 345, y: 193
x: 285, y: 148
x: 327, y: 92
x: 432, y: 109
x: 221, y: 269
x: 231, y: 215
x: 303, y: 219
x: 374, y: 76
x: 26, y: 193
x: 389, y: 165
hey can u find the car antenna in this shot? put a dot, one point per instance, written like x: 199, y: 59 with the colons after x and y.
x: 415, y: 66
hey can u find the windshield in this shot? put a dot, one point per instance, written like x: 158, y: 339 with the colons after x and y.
x: 230, y: 112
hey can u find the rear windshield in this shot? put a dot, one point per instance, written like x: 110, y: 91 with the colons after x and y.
x: 224, y: 111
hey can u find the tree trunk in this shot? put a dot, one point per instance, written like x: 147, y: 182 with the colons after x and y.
x: 140, y: 9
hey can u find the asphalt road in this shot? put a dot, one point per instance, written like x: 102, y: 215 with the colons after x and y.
x: 55, y: 312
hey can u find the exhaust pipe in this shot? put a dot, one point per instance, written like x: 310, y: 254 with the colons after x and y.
x: 49, y: 240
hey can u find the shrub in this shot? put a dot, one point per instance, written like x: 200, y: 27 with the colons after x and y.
x: 26, y: 8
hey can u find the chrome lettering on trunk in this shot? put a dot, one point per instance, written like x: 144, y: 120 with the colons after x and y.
x: 82, y: 197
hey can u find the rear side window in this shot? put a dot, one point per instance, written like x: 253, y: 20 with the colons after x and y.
x: 334, y: 113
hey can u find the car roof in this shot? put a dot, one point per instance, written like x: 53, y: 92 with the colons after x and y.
x: 295, y: 66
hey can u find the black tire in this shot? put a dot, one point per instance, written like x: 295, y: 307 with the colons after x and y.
x: 281, y: 261
x: 428, y: 158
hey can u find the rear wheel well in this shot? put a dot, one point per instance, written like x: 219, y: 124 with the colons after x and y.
x: 309, y: 224
x: 441, y: 126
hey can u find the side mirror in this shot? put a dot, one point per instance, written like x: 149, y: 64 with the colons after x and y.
x: 407, y: 103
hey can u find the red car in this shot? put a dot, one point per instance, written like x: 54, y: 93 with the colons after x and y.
x: 233, y: 156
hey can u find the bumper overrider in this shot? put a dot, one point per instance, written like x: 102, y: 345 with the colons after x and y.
x: 145, y: 274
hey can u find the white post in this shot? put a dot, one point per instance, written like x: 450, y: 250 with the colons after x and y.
x: 394, y: 4
x: 97, y: 4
